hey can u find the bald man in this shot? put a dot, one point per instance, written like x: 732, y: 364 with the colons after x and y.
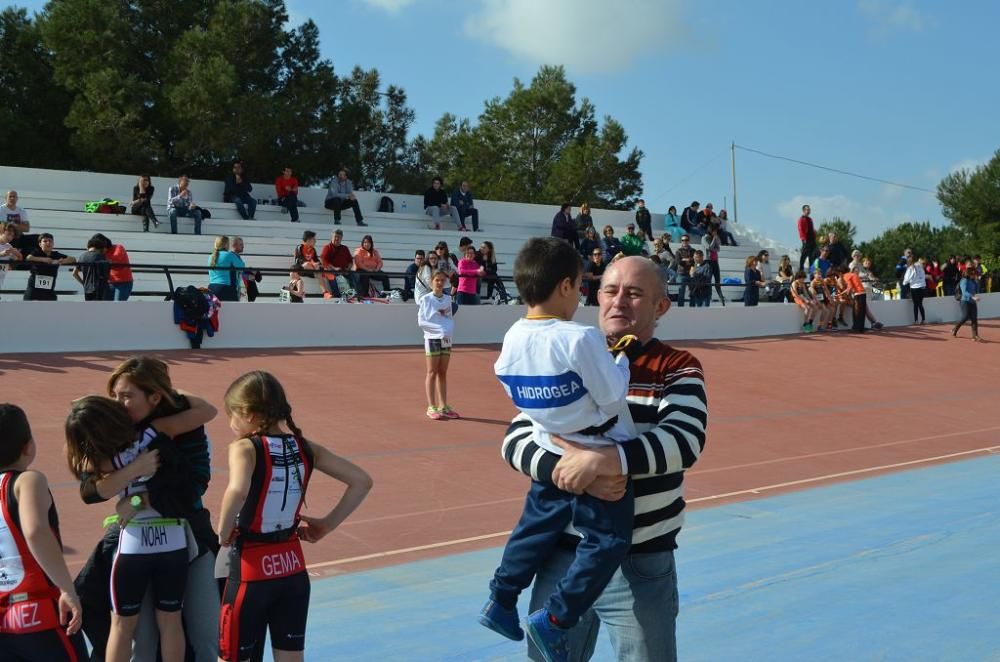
x: 667, y: 401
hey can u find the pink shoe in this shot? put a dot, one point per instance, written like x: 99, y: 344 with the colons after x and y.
x: 434, y: 414
x: 448, y: 412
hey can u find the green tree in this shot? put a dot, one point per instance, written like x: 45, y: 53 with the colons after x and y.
x: 971, y: 200
x: 32, y: 133
x: 537, y: 145
x: 925, y: 240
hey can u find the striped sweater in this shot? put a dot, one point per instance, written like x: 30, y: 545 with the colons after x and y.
x: 668, y: 404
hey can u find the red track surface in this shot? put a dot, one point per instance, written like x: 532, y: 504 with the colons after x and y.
x: 785, y: 413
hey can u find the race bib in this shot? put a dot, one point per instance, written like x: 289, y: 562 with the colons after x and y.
x: 44, y: 282
x: 445, y: 343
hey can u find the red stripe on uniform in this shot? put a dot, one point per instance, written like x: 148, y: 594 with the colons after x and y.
x: 229, y: 626
x: 257, y: 523
x: 71, y: 655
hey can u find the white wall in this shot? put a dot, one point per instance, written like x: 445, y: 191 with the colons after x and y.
x: 70, y: 326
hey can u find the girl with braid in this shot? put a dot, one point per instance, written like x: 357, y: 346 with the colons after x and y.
x: 269, y: 469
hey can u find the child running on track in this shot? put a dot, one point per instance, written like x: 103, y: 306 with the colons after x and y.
x: 269, y: 470
x: 155, y: 544
x: 434, y: 316
x: 40, y: 613
x: 563, y: 377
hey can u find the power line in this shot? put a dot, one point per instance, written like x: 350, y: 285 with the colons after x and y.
x: 694, y: 172
x: 841, y: 172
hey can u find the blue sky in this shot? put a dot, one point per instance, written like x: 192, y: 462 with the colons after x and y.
x: 902, y: 90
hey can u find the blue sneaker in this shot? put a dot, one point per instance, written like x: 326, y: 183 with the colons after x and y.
x: 550, y: 641
x: 502, y: 621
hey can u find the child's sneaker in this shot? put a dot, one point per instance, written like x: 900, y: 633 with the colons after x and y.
x: 448, y: 412
x: 550, y: 640
x: 434, y: 414
x: 502, y: 621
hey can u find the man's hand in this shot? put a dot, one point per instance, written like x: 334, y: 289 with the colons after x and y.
x: 608, y: 488
x: 580, y: 465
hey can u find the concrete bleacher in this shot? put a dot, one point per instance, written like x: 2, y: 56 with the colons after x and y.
x: 55, y: 200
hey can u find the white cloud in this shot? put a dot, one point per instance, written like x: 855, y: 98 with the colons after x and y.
x: 580, y: 34
x: 887, y: 16
x: 969, y: 164
x: 389, y: 6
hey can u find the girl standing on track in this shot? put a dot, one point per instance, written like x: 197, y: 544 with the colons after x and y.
x: 269, y: 470
x: 40, y: 613
x: 435, y: 316
x: 154, y: 544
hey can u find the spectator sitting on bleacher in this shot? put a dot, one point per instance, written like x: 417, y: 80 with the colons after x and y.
x: 662, y: 250
x: 248, y: 279
x: 337, y: 257
x: 296, y: 288
x: 589, y: 242
x: 92, y: 270
x: 436, y: 204
x: 564, y: 227
x: 463, y: 202
x: 238, y: 190
x: 287, y: 188
x: 180, y: 202
x: 612, y: 246
x: 44, y: 270
x: 593, y: 269
x: 223, y: 281
x: 706, y: 218
x: 721, y: 221
x: 632, y: 244
x: 340, y: 195
x: 689, y: 220
x: 672, y: 224
x: 683, y: 259
x: 306, y: 259
x: 120, y: 279
x: 7, y: 251
x: 368, y: 263
x: 583, y: 221
x: 488, y: 261
x: 412, y: 269
x: 142, y: 202
x: 11, y: 213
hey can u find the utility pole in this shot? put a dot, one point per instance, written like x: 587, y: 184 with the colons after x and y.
x: 733, y: 148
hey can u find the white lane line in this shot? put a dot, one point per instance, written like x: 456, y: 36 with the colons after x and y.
x: 755, y: 490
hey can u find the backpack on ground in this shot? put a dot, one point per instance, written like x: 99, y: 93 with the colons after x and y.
x: 386, y: 205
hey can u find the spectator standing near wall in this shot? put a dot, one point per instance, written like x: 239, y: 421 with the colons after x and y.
x: 753, y: 280
x: 239, y: 191
x: 142, y: 202
x: 223, y: 280
x: 462, y: 200
x: 701, y: 281
x: 901, y: 266
x: 120, y: 279
x: 286, y: 187
x: 859, y: 299
x: 7, y: 250
x: 180, y: 202
x: 92, y: 270
x: 933, y: 271
x: 584, y: 220
x: 950, y: 276
x: 644, y: 220
x: 969, y: 302
x: 838, y: 254
x: 683, y: 261
x: 45, y: 264
x: 915, y: 278
x: 469, y: 273
x: 807, y: 235
x: 564, y: 227
x: 340, y: 195
x: 11, y: 213
x: 712, y: 244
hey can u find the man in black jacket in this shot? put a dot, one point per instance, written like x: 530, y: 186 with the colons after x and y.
x: 644, y: 220
x: 238, y: 191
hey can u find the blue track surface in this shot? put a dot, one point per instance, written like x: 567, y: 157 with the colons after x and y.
x: 898, y: 567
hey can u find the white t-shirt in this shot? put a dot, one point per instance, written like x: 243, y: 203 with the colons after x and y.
x: 15, y: 215
x: 434, y: 316
x: 562, y: 376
